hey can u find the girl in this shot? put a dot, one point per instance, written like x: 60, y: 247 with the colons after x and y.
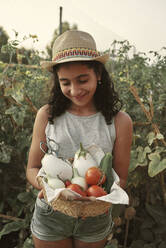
x: 83, y: 107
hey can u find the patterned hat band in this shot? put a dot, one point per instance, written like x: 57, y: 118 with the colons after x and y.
x: 74, y: 45
x: 76, y: 53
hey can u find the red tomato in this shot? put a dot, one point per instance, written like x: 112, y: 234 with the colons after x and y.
x: 77, y: 189
x: 96, y: 191
x: 94, y: 176
x: 67, y: 183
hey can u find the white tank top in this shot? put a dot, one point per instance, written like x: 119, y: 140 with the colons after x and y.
x: 68, y: 130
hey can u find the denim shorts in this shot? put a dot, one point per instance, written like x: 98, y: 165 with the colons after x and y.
x: 51, y: 225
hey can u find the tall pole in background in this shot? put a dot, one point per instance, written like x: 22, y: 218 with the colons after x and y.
x: 60, y: 21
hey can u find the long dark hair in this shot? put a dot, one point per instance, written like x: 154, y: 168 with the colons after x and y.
x: 105, y: 98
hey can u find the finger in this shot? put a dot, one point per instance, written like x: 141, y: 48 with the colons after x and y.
x: 40, y: 194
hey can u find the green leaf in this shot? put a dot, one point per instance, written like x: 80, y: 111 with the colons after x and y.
x: 151, y: 137
x: 159, y: 136
x: 17, y: 91
x: 12, y: 227
x: 144, y: 163
x: 5, y: 153
x: 25, y: 197
x: 162, y: 244
x: 28, y: 243
x: 160, y: 149
x: 18, y: 114
x: 157, y: 213
x: 138, y: 157
x: 106, y: 167
x: 137, y: 244
x: 152, y: 245
x: 155, y: 165
x: 133, y: 161
x: 111, y: 246
x: 134, y: 178
x: 148, y: 223
x: 147, y: 149
x: 15, y: 43
x: 154, y: 156
x: 147, y: 234
x: 141, y: 156
x: 160, y: 229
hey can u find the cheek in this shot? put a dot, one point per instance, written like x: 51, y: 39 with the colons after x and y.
x: 93, y: 87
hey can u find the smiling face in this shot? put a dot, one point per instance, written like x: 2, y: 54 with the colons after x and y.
x: 78, y: 83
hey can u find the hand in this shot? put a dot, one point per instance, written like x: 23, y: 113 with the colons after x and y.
x: 40, y: 194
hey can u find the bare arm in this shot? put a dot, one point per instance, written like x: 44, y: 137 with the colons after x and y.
x: 35, y: 153
x: 122, y: 146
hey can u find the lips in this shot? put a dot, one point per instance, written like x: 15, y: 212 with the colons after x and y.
x: 79, y: 98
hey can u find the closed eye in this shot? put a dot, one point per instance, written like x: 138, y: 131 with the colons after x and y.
x: 83, y: 81
x: 64, y: 82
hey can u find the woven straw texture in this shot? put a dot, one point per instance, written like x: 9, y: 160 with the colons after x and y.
x: 77, y: 208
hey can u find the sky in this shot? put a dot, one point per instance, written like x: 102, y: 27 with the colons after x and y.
x: 141, y: 22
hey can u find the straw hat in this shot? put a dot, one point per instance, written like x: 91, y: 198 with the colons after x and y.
x: 74, y: 45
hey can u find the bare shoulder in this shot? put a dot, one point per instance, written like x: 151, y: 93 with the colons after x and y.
x: 43, y: 112
x: 42, y: 117
x: 123, y: 121
x: 123, y: 117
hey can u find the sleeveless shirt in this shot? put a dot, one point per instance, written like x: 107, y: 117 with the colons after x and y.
x: 69, y: 130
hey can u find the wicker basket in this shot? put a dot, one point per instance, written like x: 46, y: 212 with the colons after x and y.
x: 77, y: 208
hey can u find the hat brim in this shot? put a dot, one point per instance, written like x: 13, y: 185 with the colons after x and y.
x: 49, y: 64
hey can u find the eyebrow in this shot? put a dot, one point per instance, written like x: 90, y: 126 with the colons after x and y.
x: 78, y: 77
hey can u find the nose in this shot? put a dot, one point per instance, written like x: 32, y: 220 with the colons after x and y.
x: 75, y: 90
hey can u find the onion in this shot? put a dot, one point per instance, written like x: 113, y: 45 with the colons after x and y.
x: 56, y: 167
x: 55, y: 183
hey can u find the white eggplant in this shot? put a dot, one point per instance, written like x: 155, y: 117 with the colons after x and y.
x: 55, y: 183
x: 79, y: 180
x: 56, y: 167
x: 83, y: 160
x: 96, y: 152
